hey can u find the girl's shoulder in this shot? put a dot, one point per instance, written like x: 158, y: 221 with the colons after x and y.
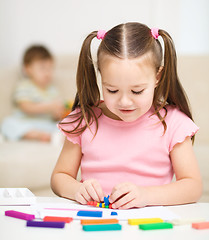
x: 74, y: 124
x: 179, y: 126
x: 174, y: 114
x: 76, y: 116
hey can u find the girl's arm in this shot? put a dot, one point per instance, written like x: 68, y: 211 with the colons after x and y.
x: 63, y: 180
x: 188, y: 185
x: 186, y: 189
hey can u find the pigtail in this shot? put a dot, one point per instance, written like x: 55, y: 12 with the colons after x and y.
x: 169, y: 87
x: 88, y: 94
x: 87, y: 88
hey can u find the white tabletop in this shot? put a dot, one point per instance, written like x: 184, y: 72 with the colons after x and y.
x: 11, y: 228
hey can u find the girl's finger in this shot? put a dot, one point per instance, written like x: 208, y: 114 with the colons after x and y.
x: 123, y: 200
x: 128, y: 205
x: 81, y: 199
x: 86, y: 194
x: 98, y: 189
x: 92, y: 192
x: 119, y: 193
x: 117, y: 187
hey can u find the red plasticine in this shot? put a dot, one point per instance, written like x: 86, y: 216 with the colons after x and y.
x: 201, y: 225
x: 92, y: 203
x: 105, y: 204
x: 57, y: 219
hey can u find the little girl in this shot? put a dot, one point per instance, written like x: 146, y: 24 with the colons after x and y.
x: 131, y: 144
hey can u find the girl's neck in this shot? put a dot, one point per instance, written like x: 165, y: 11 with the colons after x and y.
x: 107, y: 112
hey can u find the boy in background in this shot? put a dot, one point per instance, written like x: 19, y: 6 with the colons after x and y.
x: 38, y: 105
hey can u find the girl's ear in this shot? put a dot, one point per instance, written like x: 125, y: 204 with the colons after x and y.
x: 159, y: 75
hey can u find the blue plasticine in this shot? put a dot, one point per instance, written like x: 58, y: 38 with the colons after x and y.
x: 100, y: 205
x: 114, y: 213
x: 89, y: 213
x: 106, y: 200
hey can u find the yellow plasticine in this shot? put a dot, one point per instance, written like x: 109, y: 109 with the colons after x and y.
x: 139, y: 221
x: 103, y: 205
x: 97, y: 205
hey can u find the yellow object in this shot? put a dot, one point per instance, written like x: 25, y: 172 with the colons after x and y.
x: 69, y: 104
x: 103, y: 205
x: 97, y: 205
x: 139, y: 221
x: 68, y: 107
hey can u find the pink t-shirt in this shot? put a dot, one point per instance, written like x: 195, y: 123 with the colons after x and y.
x: 136, y: 152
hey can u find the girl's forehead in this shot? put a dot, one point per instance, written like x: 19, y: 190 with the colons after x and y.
x: 144, y: 61
x: 113, y: 68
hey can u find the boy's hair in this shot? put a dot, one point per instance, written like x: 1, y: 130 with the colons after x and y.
x: 129, y: 41
x: 36, y: 52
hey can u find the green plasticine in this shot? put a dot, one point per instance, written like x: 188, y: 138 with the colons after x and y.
x: 102, y: 227
x: 155, y: 226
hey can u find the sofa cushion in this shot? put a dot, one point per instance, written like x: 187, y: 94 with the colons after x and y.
x: 27, y: 163
x: 8, y: 80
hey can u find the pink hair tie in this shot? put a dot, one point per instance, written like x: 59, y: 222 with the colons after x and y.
x: 154, y: 32
x: 101, y: 34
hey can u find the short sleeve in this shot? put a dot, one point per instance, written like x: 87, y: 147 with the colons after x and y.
x: 26, y: 90
x: 23, y: 92
x: 68, y: 124
x: 179, y: 127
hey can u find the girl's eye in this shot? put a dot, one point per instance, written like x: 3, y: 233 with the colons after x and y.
x: 110, y: 91
x: 138, y: 92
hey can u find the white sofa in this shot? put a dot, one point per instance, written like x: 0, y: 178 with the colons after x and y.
x: 29, y: 164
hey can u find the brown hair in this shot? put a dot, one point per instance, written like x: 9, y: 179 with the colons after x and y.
x: 36, y: 52
x: 130, y: 40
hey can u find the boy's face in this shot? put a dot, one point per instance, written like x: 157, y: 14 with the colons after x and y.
x: 40, y: 72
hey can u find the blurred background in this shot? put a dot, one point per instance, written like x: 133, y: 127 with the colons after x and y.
x: 62, y: 25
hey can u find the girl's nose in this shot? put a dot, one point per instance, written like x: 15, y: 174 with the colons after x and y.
x: 125, y: 101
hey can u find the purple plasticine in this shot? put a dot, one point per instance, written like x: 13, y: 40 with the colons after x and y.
x: 45, y: 224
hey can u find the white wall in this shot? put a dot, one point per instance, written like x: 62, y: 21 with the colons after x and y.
x: 63, y: 24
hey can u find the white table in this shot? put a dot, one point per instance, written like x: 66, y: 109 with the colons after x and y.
x: 11, y: 228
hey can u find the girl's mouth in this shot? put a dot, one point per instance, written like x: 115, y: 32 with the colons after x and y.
x: 125, y: 111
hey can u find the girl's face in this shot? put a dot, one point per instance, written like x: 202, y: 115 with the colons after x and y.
x: 40, y: 72
x: 128, y: 86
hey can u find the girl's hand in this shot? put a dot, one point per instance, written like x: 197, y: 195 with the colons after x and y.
x: 128, y: 195
x: 90, y: 190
